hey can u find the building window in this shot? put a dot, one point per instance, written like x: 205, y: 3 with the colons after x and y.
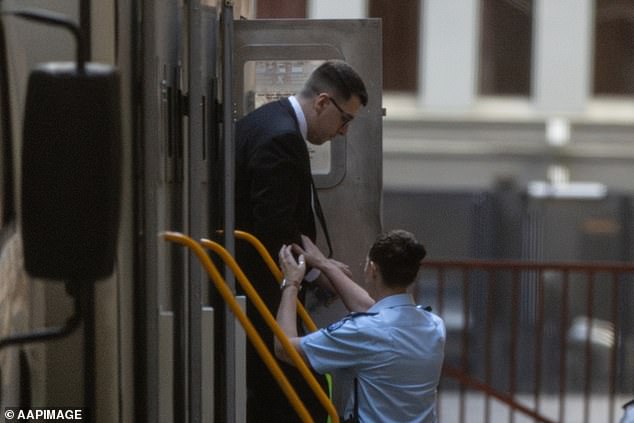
x: 400, y: 24
x: 505, y: 60
x: 614, y: 48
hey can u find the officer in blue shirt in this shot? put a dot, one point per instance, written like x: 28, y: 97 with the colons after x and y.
x: 392, y: 348
x: 628, y: 414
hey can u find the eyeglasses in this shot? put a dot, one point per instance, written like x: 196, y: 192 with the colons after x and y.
x: 346, y: 117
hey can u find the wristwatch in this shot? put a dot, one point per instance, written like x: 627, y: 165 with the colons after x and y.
x: 286, y: 283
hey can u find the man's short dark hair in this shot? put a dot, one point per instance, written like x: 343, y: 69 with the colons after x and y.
x: 337, y: 76
x: 398, y: 255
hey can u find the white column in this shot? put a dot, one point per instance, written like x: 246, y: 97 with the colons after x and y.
x: 562, y: 33
x: 449, y: 54
x: 337, y: 9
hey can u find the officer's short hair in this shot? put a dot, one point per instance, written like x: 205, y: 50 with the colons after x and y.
x: 338, y: 78
x: 398, y: 255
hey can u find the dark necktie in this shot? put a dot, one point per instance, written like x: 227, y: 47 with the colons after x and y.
x: 320, y: 216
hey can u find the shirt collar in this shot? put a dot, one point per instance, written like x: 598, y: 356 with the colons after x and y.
x: 301, y: 118
x: 392, y: 301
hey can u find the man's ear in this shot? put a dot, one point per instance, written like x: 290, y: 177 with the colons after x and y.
x: 320, y: 102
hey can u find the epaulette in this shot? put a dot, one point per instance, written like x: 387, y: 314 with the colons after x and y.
x: 353, y: 315
x: 356, y: 314
x: 426, y: 308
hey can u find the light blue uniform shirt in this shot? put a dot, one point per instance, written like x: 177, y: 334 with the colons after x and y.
x: 628, y: 416
x: 395, y: 350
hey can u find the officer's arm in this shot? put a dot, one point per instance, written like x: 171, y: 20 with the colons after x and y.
x: 354, y: 297
x: 286, y: 318
x: 293, y: 275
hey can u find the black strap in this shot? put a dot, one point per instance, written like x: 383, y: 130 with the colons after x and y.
x: 354, y: 418
x: 320, y: 216
x: 355, y: 414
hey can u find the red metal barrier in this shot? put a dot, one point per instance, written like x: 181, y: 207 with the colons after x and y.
x: 544, y: 342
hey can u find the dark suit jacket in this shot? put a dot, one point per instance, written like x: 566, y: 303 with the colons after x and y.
x: 272, y: 202
x: 273, y: 180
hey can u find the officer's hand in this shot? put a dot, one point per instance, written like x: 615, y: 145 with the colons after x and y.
x: 314, y: 257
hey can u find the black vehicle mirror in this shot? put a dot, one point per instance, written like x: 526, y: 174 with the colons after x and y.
x: 71, y: 167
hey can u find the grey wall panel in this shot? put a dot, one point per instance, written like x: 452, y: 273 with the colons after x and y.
x: 207, y: 365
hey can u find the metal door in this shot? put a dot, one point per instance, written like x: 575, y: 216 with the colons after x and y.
x: 347, y: 171
x: 179, y: 75
x: 272, y: 58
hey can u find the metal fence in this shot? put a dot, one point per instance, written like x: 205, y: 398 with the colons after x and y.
x: 548, y: 342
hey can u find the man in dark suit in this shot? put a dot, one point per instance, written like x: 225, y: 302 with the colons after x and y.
x: 276, y: 201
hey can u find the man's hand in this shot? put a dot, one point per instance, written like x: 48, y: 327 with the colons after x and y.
x: 293, y: 270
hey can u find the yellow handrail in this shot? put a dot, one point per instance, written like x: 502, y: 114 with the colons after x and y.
x: 277, y: 273
x: 275, y: 327
x: 252, y: 334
